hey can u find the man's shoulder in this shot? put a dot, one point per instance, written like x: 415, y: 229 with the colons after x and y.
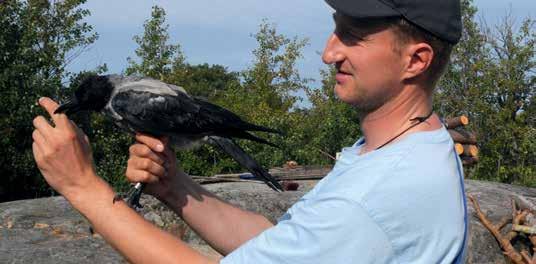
x: 407, y: 189
x: 409, y: 160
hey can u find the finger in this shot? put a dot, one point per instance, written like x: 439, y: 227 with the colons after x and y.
x: 41, y: 124
x: 134, y: 175
x: 39, y: 142
x: 154, y: 143
x: 37, y: 151
x: 147, y: 165
x: 86, y: 139
x: 50, y: 106
x: 38, y: 137
x: 143, y: 151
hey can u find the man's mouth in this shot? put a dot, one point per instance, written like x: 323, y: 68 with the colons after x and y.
x: 342, y: 76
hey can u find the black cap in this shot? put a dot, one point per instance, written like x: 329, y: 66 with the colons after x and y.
x: 442, y: 18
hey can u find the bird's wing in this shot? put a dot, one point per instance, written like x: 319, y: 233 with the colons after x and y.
x: 246, y: 161
x: 158, y: 114
x: 164, y: 114
x: 230, y: 118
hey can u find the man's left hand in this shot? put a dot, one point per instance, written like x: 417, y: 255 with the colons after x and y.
x: 62, y: 153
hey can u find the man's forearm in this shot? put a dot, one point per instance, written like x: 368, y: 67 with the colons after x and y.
x: 224, y: 226
x: 135, y: 238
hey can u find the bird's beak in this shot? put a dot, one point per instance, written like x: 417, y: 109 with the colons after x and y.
x: 70, y: 107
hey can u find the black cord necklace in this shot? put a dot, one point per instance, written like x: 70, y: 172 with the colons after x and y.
x: 420, y: 119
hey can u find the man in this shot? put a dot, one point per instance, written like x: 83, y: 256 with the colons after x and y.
x: 395, y: 196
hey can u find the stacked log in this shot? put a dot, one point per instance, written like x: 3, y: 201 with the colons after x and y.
x: 465, y: 141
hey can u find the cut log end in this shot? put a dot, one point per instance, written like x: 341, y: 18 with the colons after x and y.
x: 457, y: 121
x: 464, y: 120
x: 470, y: 150
x: 459, y: 148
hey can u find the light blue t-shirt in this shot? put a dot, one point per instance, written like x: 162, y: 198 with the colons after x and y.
x: 403, y: 203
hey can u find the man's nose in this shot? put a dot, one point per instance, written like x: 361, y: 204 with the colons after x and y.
x: 333, y: 51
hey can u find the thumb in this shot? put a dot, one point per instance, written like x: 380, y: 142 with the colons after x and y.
x: 155, y: 144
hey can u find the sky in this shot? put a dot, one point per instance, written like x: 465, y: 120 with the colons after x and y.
x: 219, y: 31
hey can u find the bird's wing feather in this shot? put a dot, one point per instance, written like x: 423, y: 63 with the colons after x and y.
x: 166, y: 114
x: 157, y: 114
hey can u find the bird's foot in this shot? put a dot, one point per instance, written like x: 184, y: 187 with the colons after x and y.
x: 117, y: 197
x: 132, y: 197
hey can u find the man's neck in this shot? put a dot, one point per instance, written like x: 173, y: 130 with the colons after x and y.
x: 393, y: 117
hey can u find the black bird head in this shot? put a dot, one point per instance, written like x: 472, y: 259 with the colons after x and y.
x: 92, y: 94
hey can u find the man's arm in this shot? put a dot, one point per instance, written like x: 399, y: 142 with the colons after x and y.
x: 63, y: 156
x: 137, y: 239
x: 224, y: 226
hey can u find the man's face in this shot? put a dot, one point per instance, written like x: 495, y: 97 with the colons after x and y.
x: 369, y: 69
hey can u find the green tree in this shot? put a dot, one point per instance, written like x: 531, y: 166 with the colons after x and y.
x: 329, y: 125
x: 491, y: 79
x: 512, y: 149
x: 38, y: 39
x: 205, y: 81
x: 157, y: 57
x: 267, y: 94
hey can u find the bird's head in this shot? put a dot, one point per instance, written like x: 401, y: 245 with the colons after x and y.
x: 92, y: 94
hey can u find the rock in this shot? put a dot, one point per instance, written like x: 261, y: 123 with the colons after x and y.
x: 154, y: 218
x: 495, y: 201
x: 48, y: 230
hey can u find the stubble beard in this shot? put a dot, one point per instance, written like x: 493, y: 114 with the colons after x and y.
x: 366, y: 103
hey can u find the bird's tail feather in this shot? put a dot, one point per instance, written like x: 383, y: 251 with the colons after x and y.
x: 252, y: 127
x: 245, y: 160
x: 249, y: 136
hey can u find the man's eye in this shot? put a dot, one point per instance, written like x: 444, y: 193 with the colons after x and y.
x: 347, y: 36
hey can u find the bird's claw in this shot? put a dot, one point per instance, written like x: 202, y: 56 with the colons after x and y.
x: 132, y: 197
x: 117, y: 197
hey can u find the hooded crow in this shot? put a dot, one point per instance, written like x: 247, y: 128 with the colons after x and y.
x: 138, y: 104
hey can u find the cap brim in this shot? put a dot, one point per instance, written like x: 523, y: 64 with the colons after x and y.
x: 363, y: 8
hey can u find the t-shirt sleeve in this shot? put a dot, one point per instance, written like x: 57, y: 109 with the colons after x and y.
x: 319, y: 230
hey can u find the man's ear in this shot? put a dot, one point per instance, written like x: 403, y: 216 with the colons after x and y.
x: 420, y: 57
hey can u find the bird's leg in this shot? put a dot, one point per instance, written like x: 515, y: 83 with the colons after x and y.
x: 133, y: 196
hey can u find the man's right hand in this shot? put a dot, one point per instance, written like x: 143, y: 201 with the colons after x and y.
x: 152, y: 161
x: 224, y: 226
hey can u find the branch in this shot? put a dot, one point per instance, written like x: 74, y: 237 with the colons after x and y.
x: 505, y: 244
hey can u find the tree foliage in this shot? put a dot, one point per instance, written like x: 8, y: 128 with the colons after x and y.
x: 267, y: 95
x: 329, y: 125
x: 491, y: 79
x: 156, y: 56
x: 38, y: 39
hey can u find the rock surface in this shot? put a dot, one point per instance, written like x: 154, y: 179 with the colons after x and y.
x: 48, y: 230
